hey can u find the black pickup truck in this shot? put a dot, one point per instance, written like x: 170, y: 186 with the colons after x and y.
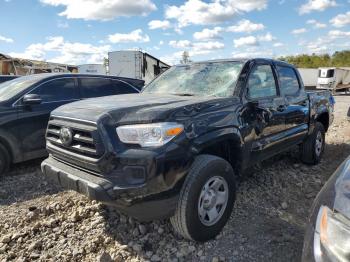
x: 176, y: 149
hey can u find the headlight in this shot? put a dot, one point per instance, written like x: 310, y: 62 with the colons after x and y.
x: 149, y: 134
x: 332, y: 236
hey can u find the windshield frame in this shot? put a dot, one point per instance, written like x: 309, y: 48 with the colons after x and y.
x: 234, y: 89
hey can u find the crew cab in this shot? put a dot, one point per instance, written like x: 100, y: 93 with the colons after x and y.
x: 175, y: 150
x: 26, y: 103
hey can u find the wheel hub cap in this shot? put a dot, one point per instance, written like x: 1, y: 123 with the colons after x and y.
x: 318, y: 144
x: 213, y: 200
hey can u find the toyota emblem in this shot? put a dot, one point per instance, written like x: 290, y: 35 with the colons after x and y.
x: 66, y: 136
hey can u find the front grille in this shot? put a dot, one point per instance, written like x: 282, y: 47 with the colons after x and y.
x: 84, y: 140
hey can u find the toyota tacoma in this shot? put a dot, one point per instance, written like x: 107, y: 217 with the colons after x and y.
x: 176, y: 149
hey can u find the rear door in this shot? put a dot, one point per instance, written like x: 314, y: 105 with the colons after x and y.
x: 269, y: 121
x: 32, y: 119
x: 297, y: 104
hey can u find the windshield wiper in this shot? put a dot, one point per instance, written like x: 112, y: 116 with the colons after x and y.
x: 182, y: 94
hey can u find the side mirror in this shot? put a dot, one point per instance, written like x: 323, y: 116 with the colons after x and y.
x: 32, y: 99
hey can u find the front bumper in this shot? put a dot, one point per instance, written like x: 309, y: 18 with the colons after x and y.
x: 130, y: 200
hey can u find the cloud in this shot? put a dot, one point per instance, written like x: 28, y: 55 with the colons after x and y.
x: 194, y: 49
x: 246, y: 41
x: 62, y: 24
x: 197, y: 46
x: 6, y: 39
x: 245, y: 26
x: 250, y: 53
x: 135, y: 36
x: 316, y: 24
x: 268, y: 37
x: 102, y: 9
x: 299, y: 31
x: 159, y: 24
x: 319, y: 45
x: 341, y: 20
x: 338, y: 34
x: 316, y: 5
x: 208, y: 34
x: 198, y: 12
x: 180, y: 44
x: 173, y: 58
x: 64, y: 51
x: 253, y: 40
x: 278, y: 44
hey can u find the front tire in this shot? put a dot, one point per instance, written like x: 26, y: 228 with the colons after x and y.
x: 206, y: 199
x: 313, y: 147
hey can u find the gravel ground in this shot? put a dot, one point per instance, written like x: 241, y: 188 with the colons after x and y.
x: 42, y: 222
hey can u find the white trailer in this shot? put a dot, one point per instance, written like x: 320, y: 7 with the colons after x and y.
x: 135, y: 64
x: 309, y: 77
x: 96, y: 69
x: 334, y: 78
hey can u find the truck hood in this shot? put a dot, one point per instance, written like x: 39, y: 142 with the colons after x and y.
x: 136, y: 108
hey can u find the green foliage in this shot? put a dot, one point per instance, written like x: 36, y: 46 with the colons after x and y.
x: 338, y: 59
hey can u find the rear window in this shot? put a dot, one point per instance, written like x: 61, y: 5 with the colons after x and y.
x: 288, y: 80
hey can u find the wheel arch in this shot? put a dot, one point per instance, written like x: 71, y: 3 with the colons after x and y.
x: 225, y: 143
x: 12, y: 146
x: 323, y: 118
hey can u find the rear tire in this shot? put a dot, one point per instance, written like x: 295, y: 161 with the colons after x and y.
x: 313, y: 147
x: 206, y: 199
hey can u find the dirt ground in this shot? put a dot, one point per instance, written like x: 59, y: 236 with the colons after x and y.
x: 42, y: 222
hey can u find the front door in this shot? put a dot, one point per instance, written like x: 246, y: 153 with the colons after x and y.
x: 33, y: 119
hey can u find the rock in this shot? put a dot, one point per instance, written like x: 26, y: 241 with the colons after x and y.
x: 155, y: 258
x: 142, y: 229
x: 137, y: 248
x: 32, y: 215
x: 34, y: 255
x: 135, y: 232
x: 215, y: 259
x: 123, y: 219
x: 35, y: 245
x: 191, y: 249
x: 105, y: 257
x: 75, y: 217
x: 160, y: 230
x: 284, y: 205
x: 6, y: 239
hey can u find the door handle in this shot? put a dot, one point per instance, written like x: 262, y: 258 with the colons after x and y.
x: 281, y: 108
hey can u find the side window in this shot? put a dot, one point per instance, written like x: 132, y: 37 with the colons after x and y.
x: 57, y: 90
x: 123, y: 88
x: 261, y: 82
x: 288, y: 79
x: 96, y: 87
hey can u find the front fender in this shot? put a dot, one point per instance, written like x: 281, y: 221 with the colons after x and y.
x: 216, y: 136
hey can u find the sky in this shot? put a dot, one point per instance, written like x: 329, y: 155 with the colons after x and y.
x: 84, y: 31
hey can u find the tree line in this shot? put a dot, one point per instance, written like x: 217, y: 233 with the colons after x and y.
x: 338, y: 59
